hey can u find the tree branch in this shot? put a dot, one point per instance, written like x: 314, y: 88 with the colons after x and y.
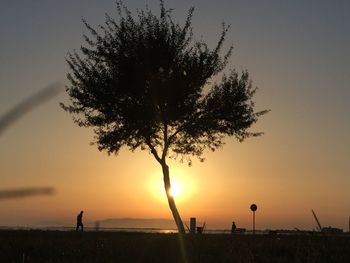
x: 180, y: 128
x: 171, y: 137
x: 153, y: 151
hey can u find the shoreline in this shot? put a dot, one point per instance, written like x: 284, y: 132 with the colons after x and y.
x: 154, y: 230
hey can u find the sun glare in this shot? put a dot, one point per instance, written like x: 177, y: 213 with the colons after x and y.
x: 175, y: 189
x: 182, y: 186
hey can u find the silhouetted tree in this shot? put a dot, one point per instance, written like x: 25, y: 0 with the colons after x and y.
x: 141, y: 83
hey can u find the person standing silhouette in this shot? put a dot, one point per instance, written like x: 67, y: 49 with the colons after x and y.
x: 80, y: 221
x: 233, y: 228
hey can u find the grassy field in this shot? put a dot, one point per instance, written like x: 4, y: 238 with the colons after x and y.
x: 60, y: 246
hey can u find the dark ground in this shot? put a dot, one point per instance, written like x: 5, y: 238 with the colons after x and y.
x: 60, y: 246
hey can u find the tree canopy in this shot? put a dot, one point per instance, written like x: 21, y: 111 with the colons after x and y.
x: 141, y: 77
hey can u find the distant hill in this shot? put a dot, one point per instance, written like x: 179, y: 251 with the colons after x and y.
x: 137, y: 223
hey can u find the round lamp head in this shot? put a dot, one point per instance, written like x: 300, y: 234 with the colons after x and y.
x: 253, y: 207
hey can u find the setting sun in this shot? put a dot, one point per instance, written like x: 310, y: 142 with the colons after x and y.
x: 182, y: 185
x: 176, y: 189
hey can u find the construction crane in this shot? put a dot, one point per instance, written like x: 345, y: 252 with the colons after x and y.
x: 326, y: 230
x: 317, y: 221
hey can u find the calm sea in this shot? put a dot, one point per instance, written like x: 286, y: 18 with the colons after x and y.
x: 116, y: 229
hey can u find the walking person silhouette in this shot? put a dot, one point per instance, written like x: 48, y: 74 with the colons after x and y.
x: 80, y: 221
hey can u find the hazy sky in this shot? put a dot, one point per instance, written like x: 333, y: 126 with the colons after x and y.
x: 297, y: 53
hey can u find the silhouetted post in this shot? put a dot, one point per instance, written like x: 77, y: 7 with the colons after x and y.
x: 193, y: 225
x: 253, y: 207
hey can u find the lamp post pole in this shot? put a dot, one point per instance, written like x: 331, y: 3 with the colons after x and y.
x: 253, y: 207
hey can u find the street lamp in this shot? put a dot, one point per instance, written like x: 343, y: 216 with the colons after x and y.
x: 253, y: 207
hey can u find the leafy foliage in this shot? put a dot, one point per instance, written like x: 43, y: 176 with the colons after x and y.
x: 141, y: 81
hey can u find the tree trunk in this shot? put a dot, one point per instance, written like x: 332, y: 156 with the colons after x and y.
x: 171, y: 200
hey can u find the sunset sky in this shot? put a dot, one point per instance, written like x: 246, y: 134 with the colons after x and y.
x: 297, y: 53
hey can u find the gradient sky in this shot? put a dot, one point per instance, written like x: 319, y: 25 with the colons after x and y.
x: 297, y: 53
